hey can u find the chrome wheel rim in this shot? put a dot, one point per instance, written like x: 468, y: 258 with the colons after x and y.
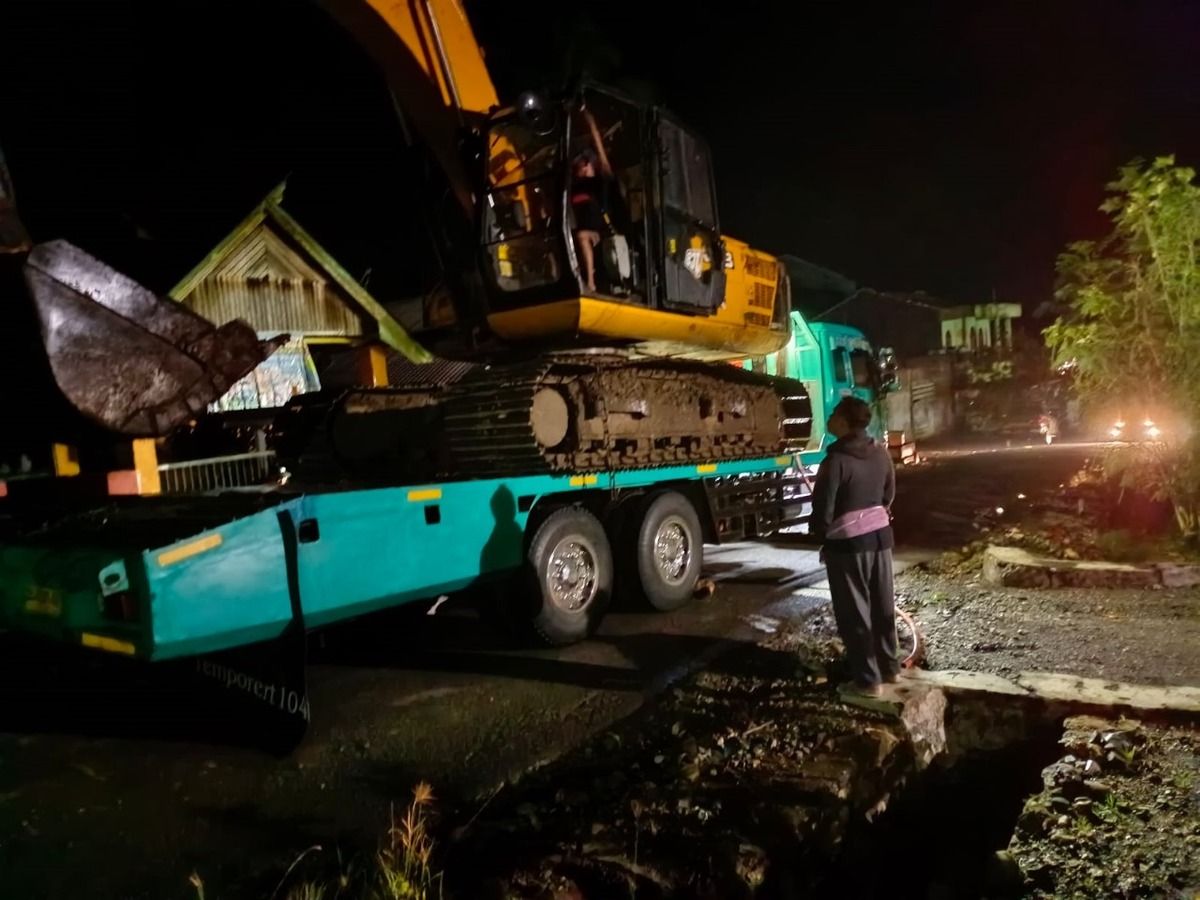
x: 571, y: 574
x: 672, y: 550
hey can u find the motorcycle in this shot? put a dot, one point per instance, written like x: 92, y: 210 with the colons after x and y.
x: 1048, y: 427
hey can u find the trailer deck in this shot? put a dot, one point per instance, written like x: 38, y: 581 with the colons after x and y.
x: 167, y: 578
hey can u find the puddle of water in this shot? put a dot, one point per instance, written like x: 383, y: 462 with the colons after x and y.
x: 764, y: 624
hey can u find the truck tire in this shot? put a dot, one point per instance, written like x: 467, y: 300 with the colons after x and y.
x: 570, y: 576
x: 668, y: 551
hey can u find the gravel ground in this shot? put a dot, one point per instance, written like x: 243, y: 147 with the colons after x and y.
x: 1140, y: 636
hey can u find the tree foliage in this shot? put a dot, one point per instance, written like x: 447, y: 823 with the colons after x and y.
x: 1132, y: 333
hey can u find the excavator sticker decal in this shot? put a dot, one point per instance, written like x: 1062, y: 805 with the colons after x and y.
x: 695, y: 260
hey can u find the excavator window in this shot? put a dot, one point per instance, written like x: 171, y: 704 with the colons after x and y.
x: 520, y: 213
x: 611, y: 198
x: 621, y: 252
x: 687, y: 181
x: 692, y: 258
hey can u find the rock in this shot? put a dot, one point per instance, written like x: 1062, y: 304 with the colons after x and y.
x: 751, y: 865
x: 1119, y: 742
x: 1066, y: 771
x: 567, y: 890
x: 1097, y: 788
x: 1033, y: 821
x: 1175, y: 576
x: 924, y: 718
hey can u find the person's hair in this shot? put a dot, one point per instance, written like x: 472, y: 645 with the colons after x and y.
x: 856, y: 412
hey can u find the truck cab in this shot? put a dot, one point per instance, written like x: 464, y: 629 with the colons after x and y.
x: 833, y: 361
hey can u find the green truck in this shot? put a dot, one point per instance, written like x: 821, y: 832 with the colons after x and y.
x: 833, y: 361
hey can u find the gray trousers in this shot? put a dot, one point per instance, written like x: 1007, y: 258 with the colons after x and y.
x: 864, y: 607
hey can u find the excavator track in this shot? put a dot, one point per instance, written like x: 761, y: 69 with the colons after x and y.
x: 557, y: 414
x: 583, y: 414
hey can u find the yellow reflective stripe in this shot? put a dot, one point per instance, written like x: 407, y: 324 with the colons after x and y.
x: 707, y: 468
x: 195, y: 548
x: 426, y: 494
x: 112, y: 645
x: 583, y: 480
x: 783, y: 460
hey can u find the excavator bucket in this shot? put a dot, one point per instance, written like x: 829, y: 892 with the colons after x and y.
x: 130, y: 360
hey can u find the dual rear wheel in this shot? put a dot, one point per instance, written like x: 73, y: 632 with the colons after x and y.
x: 571, y: 569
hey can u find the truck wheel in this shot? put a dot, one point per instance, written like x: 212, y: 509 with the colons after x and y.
x: 669, y: 551
x: 570, y: 564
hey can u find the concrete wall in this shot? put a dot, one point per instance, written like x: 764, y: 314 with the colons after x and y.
x: 979, y: 327
x: 924, y: 405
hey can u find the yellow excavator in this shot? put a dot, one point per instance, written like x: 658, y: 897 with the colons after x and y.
x: 587, y: 287
x: 667, y: 282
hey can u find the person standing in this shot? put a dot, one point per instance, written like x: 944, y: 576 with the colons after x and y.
x: 591, y: 176
x: 851, y: 517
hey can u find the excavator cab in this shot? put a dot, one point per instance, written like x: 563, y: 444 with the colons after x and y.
x: 601, y: 201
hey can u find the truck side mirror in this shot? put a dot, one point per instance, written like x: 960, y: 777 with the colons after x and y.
x: 889, y: 370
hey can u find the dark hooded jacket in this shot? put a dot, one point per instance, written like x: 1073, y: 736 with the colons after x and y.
x: 857, y: 473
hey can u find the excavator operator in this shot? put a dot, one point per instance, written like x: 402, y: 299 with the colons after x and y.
x: 592, y: 175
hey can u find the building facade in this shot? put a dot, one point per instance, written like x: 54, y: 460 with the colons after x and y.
x: 983, y: 326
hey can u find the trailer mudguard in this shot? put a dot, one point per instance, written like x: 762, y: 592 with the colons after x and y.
x: 262, y: 687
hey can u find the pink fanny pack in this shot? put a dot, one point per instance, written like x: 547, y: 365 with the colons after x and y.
x: 857, y: 522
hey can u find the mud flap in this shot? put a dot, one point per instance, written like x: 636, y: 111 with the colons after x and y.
x: 261, y: 690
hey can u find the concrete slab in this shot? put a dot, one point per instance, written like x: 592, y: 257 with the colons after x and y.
x: 1137, y: 698
x: 1014, y: 567
x: 1070, y: 692
x: 960, y: 680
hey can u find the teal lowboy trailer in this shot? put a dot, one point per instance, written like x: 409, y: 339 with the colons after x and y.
x: 162, y: 579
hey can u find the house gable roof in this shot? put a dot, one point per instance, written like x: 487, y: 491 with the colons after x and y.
x: 237, y: 252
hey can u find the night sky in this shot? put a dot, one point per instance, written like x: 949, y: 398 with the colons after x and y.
x: 949, y: 147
